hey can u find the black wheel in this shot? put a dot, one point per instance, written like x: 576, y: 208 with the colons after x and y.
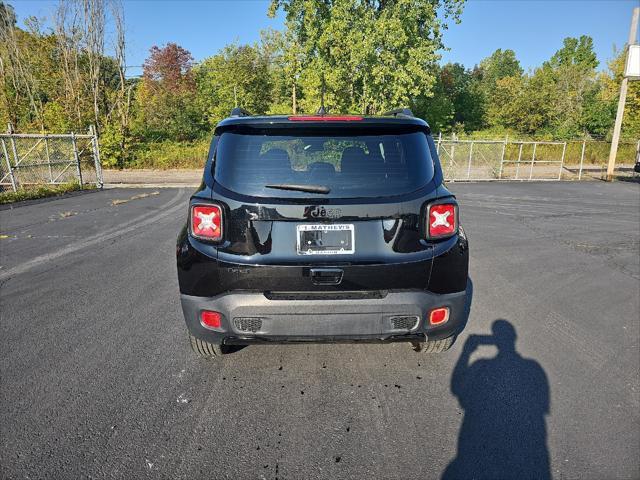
x: 435, y: 346
x: 205, y: 349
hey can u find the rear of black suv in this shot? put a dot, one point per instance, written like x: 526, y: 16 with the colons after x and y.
x: 322, y: 229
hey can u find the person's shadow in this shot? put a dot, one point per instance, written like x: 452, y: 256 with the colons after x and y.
x: 505, y: 400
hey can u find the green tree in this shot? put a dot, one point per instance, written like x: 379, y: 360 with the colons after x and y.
x: 456, y: 102
x: 237, y: 76
x: 369, y: 55
x: 534, y: 110
x: 573, y: 69
x: 7, y: 94
x: 611, y: 92
x: 493, y: 88
x: 500, y: 64
x: 598, y: 110
x: 561, y: 98
x: 577, y: 52
x: 165, y: 97
x: 504, y: 106
x: 283, y: 67
x: 463, y: 89
x: 438, y: 109
x: 49, y: 78
x: 29, y: 74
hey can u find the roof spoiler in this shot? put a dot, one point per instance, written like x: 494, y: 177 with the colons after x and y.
x: 404, y: 112
x: 239, y: 112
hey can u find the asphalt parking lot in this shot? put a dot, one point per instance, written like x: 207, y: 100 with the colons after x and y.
x: 97, y: 379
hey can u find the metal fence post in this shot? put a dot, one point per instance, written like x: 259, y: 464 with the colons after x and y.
x: 439, y: 140
x: 14, y: 149
x: 584, y: 144
x: 46, y: 149
x: 76, y: 157
x: 96, y: 155
x: 533, y: 159
x: 564, y: 149
x: 504, y: 148
x: 453, y: 152
x: 470, y: 156
x: 519, y: 158
x: 6, y: 157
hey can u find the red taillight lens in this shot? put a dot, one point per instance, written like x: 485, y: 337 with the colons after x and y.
x: 442, y: 220
x: 438, y: 316
x: 206, y: 222
x: 210, y: 319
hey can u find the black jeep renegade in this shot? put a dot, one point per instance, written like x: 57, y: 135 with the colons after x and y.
x: 322, y: 229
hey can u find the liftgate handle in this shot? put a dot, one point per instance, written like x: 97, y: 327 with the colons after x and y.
x: 326, y: 276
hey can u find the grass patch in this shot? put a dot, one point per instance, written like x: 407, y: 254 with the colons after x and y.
x: 167, y: 155
x: 41, y: 191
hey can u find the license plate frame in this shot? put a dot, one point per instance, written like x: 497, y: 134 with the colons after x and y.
x: 306, y: 233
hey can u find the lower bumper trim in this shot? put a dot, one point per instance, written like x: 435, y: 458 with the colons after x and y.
x: 334, y: 321
x: 242, y: 340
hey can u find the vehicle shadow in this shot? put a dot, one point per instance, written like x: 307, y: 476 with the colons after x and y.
x: 505, y: 401
x: 635, y: 178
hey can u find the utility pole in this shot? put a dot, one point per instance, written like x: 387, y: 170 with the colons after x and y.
x: 623, y: 96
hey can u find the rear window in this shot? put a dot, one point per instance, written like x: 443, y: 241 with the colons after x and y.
x: 349, y: 166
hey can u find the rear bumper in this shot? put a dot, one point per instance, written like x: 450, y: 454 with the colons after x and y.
x: 284, y: 320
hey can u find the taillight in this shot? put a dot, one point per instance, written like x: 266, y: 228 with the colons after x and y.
x: 438, y: 316
x: 206, y: 222
x: 442, y: 220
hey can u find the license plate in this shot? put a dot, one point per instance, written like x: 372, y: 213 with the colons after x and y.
x: 325, y: 239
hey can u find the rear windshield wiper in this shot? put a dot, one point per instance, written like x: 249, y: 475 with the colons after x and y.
x: 300, y: 188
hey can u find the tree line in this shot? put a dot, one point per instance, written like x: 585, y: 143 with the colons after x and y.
x: 364, y: 56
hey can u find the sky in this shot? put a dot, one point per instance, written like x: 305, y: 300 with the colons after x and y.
x: 534, y: 29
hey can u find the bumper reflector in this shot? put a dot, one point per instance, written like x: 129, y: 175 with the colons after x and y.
x: 210, y: 319
x: 438, y: 316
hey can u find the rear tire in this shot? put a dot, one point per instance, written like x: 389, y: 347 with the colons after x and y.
x: 205, y: 349
x: 435, y: 346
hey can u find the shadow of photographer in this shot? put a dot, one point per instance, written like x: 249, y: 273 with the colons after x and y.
x: 505, y: 399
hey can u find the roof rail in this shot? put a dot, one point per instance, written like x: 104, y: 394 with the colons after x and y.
x: 399, y: 111
x: 239, y: 112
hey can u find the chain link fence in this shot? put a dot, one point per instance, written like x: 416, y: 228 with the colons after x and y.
x: 38, y: 159
x: 531, y: 160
